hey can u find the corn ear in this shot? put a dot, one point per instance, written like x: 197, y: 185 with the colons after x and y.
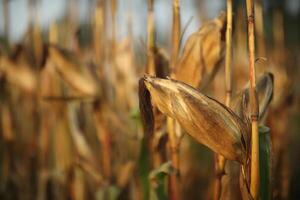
x: 205, y: 119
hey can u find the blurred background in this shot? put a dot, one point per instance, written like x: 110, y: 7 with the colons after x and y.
x: 69, y: 117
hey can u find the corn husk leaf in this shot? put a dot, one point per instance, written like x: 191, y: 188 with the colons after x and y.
x: 205, y: 119
x: 264, y: 87
x: 202, y: 54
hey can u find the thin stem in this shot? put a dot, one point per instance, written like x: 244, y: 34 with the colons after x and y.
x: 98, y: 32
x: 278, y: 29
x: 261, y: 47
x: 228, y: 56
x: 6, y: 19
x: 73, y: 23
x: 176, y: 29
x: 220, y: 168
x: 150, y: 39
x: 113, y: 6
x: 255, y: 178
x: 53, y: 33
x: 105, y: 140
x: 174, y: 187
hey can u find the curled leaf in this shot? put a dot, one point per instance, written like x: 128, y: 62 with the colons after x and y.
x: 264, y: 87
x: 205, y: 119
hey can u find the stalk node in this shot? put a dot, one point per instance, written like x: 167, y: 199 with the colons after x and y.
x: 251, y: 19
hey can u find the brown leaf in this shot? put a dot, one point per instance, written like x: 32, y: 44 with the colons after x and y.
x: 20, y: 76
x: 205, y: 119
x: 161, y: 62
x: 202, y: 54
x: 79, y: 80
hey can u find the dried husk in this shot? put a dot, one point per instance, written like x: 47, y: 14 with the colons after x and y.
x: 205, y: 119
x: 202, y: 54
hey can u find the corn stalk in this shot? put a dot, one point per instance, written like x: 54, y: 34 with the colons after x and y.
x: 174, y: 187
x: 228, y: 57
x: 254, y: 176
x: 150, y: 39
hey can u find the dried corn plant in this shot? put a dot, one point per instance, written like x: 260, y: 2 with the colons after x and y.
x: 208, y: 121
x: 87, y: 112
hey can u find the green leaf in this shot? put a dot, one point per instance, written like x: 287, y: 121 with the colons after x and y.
x: 108, y: 193
x: 158, y: 178
x: 265, y: 162
x: 144, y: 169
x: 135, y: 115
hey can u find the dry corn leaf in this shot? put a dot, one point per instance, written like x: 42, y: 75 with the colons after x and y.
x: 20, y: 76
x: 202, y: 54
x: 124, y: 173
x: 63, y: 146
x: 205, y: 119
x: 231, y: 182
x: 50, y: 82
x: 70, y: 72
x: 7, y: 126
x: 126, y: 74
x: 81, y: 144
x: 161, y: 62
x: 264, y: 87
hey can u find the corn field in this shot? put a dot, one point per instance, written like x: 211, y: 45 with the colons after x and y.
x: 150, y: 100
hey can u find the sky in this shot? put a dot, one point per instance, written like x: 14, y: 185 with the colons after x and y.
x: 49, y: 10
